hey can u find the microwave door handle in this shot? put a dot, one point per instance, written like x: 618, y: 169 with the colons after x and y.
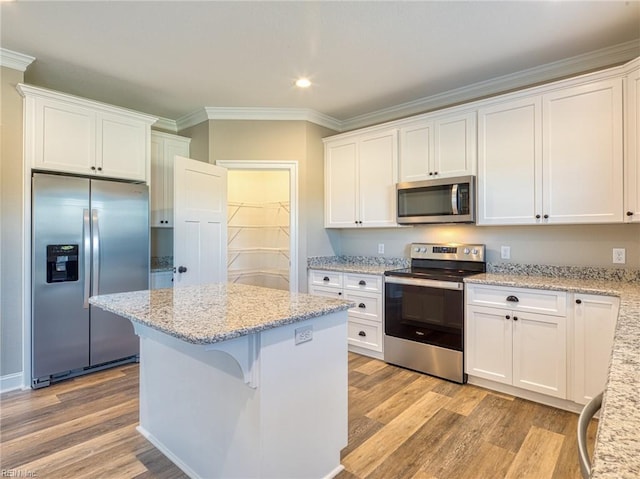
x: 454, y: 199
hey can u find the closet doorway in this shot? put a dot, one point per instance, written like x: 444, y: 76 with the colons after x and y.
x: 262, y: 244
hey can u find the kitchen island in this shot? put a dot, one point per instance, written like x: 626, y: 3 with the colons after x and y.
x: 241, y: 381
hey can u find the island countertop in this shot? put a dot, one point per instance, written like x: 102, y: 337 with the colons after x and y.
x: 617, y: 451
x: 211, y: 313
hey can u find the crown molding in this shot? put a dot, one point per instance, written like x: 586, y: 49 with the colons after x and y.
x: 166, y: 124
x: 250, y: 113
x: 550, y: 71
x: 15, y: 60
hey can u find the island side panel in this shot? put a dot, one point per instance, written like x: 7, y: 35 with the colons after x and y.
x: 304, y: 405
x: 197, y: 410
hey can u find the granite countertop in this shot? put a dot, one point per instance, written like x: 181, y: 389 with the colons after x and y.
x: 617, y: 450
x: 357, y: 264
x: 205, y: 314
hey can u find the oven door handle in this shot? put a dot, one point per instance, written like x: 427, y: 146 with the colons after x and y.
x: 429, y: 283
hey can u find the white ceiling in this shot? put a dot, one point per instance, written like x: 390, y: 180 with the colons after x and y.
x: 172, y: 58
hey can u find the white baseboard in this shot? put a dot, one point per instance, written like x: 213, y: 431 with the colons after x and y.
x: 164, y: 450
x: 11, y: 382
x: 565, y: 404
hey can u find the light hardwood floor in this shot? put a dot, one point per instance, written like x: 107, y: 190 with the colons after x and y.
x: 402, y: 424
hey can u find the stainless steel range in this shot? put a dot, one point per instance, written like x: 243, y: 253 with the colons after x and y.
x: 424, y: 309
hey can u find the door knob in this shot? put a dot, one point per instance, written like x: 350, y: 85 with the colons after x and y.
x: 182, y: 269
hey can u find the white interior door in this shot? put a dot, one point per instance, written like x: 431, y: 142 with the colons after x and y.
x: 200, y: 222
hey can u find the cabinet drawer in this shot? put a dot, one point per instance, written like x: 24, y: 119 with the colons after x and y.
x: 533, y: 300
x: 365, y: 334
x: 326, y: 278
x: 335, y: 293
x: 368, y: 306
x: 363, y: 282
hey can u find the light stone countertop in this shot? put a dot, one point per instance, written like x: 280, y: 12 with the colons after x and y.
x: 356, y: 264
x: 617, y: 451
x: 205, y: 314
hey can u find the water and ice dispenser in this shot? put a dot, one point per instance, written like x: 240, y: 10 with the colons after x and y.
x: 62, y: 263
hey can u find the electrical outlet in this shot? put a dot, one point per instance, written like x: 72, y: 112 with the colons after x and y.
x: 619, y: 255
x: 505, y: 252
x: 380, y: 248
x: 304, y: 334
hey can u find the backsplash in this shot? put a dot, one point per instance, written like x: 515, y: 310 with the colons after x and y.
x: 575, y: 272
x: 161, y: 262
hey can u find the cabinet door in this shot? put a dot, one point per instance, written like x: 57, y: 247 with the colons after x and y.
x: 582, y: 156
x: 164, y: 148
x: 416, y: 151
x: 378, y: 175
x: 172, y: 148
x: 156, y: 182
x: 455, y: 145
x: 488, y: 344
x: 340, y: 184
x: 594, y: 326
x: 540, y: 353
x: 632, y: 146
x: 65, y: 137
x: 123, y: 147
x: 510, y: 162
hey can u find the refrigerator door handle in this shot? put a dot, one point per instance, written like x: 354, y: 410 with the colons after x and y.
x: 86, y: 236
x: 95, y: 232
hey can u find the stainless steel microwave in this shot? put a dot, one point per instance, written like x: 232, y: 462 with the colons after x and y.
x: 443, y: 200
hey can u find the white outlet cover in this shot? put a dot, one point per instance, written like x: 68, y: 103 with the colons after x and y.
x: 505, y: 252
x: 619, y: 255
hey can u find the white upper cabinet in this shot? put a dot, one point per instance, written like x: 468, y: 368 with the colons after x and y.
x: 552, y: 157
x: 632, y: 144
x: 510, y: 162
x: 416, y: 151
x: 438, y: 146
x: 73, y: 135
x: 582, y: 154
x: 361, y: 172
x: 164, y: 148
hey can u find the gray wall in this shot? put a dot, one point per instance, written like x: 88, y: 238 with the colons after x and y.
x: 298, y: 141
x: 11, y: 238
x: 566, y: 245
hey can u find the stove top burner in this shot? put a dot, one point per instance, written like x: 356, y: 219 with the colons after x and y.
x: 432, y: 273
x: 443, y: 262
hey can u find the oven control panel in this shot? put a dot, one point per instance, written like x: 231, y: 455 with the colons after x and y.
x: 451, y: 251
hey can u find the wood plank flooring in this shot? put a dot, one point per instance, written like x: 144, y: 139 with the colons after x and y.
x: 402, y: 424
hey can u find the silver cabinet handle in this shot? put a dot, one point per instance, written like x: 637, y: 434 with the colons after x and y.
x: 86, y: 236
x: 95, y: 233
x: 587, y: 413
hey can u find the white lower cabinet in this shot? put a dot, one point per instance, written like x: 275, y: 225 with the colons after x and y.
x: 550, y: 342
x: 594, y: 319
x: 366, y: 323
x: 510, y: 344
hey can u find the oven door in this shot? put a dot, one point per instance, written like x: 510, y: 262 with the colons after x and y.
x: 427, y: 311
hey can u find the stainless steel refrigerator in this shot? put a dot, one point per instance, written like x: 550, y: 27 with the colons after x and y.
x: 89, y: 237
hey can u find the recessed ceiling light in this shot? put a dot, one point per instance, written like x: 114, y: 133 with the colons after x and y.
x: 303, y: 83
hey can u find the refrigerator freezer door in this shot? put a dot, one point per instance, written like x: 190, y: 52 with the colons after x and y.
x: 60, y: 323
x: 120, y: 240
